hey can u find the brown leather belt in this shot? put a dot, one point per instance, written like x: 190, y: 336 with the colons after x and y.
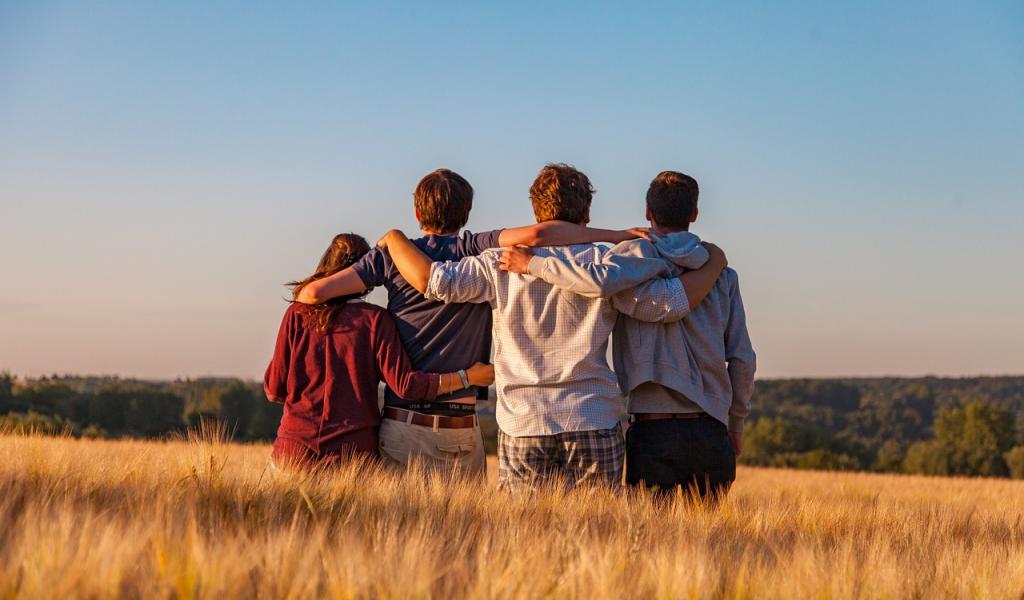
x: 439, y: 421
x: 656, y: 416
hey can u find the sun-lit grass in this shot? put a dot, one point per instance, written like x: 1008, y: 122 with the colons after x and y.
x: 205, y: 518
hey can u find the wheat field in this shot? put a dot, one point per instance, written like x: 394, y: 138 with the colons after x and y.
x: 204, y: 518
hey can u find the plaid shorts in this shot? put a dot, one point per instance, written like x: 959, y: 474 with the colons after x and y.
x: 579, y: 457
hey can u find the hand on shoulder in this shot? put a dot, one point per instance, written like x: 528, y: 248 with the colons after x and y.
x: 637, y: 233
x: 515, y: 259
x: 716, y: 255
x: 389, y: 237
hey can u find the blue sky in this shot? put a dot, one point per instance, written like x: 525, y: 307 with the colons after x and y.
x: 164, y: 168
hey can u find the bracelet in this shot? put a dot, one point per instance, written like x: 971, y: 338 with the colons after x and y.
x: 464, y: 378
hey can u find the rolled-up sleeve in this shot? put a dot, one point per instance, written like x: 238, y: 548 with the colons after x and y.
x: 468, y: 280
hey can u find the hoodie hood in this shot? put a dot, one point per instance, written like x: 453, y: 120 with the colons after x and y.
x: 681, y: 248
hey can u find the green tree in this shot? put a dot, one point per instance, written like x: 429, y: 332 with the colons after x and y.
x: 1015, y: 462
x: 930, y: 457
x: 901, y: 416
x: 968, y: 441
x: 236, y: 407
x: 105, y: 411
x: 979, y: 434
x: 152, y: 413
x: 768, y: 438
x: 48, y: 398
x: 33, y: 422
x: 890, y: 456
x: 819, y: 458
x: 6, y: 392
x: 265, y: 418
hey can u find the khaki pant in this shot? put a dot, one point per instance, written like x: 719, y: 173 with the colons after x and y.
x: 445, y: 449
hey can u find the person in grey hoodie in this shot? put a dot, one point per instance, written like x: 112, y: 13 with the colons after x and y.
x: 688, y: 382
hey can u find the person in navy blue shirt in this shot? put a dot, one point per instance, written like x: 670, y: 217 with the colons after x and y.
x: 442, y: 337
x: 327, y: 364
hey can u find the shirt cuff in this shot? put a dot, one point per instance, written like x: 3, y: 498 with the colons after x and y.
x: 271, y: 396
x: 536, y: 266
x: 736, y: 424
x: 680, y: 300
x: 433, y: 387
x: 437, y: 283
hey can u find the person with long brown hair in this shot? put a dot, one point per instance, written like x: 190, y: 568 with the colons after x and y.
x: 327, y: 364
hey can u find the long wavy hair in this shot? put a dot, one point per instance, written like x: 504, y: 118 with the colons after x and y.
x: 344, y: 251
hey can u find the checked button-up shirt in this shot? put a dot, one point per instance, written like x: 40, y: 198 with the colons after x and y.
x: 550, y: 345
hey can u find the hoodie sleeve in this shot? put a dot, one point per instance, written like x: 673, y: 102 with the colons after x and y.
x: 654, y: 301
x: 739, y: 354
x: 612, y: 274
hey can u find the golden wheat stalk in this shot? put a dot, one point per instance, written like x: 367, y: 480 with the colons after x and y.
x: 202, y: 517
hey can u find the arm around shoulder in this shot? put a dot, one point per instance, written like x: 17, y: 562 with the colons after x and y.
x: 654, y: 301
x: 563, y: 233
x: 470, y: 280
x: 343, y: 283
x: 394, y: 365
x: 700, y: 282
x: 612, y: 274
x: 410, y: 261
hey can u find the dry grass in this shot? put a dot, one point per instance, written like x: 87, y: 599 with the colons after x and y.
x: 204, y: 518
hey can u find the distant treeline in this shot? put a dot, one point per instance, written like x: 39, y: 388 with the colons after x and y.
x: 937, y: 426
x: 111, y: 407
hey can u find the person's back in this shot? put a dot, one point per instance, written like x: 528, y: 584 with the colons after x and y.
x: 328, y: 362
x: 437, y: 336
x: 550, y: 345
x: 442, y: 432
x: 691, y: 356
x: 558, y: 400
x: 716, y: 334
x: 327, y: 380
x: 689, y: 382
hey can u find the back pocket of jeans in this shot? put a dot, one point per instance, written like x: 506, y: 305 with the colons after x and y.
x: 456, y: 449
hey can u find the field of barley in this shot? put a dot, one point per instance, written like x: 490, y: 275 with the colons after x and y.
x: 205, y: 518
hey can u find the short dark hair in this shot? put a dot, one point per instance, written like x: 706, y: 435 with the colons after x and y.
x: 443, y: 199
x: 561, y: 193
x: 672, y: 199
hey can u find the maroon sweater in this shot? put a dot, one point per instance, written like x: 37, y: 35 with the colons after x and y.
x: 328, y: 382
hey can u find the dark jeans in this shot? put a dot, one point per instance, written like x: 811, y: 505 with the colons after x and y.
x: 694, y: 454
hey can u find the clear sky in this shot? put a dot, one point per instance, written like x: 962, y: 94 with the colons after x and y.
x: 164, y: 169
